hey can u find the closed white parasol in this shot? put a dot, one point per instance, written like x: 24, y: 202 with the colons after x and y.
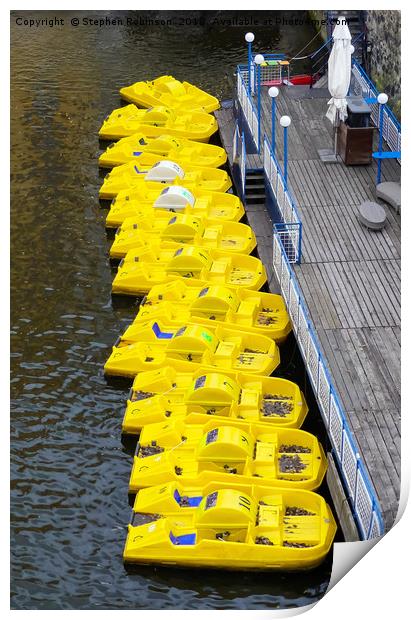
x: 339, y: 72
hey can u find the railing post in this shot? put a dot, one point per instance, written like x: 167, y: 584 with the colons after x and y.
x: 259, y: 59
x: 273, y: 92
x: 300, y: 235
x: 382, y: 100
x: 285, y: 121
x: 357, y: 457
x: 372, y: 517
x: 249, y: 37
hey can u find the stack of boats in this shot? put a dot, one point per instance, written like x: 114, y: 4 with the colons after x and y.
x: 222, y: 475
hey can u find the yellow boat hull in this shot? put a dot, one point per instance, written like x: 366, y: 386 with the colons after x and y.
x: 230, y: 526
x: 165, y: 394
x: 157, y: 121
x: 145, y: 152
x: 138, y: 232
x: 169, y: 92
x: 129, y: 177
x: 152, y: 345
x: 262, y: 313
x: 147, y: 201
x: 192, y: 454
x: 144, y: 268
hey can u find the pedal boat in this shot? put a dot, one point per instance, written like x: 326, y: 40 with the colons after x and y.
x: 167, y: 91
x: 262, y: 313
x: 145, y: 152
x: 176, y: 451
x: 229, y: 526
x: 165, y: 394
x: 146, y: 201
x: 178, y: 228
x: 152, y: 345
x: 130, y: 176
x: 143, y: 268
x: 157, y: 121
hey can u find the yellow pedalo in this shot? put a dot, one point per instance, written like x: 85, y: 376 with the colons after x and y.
x: 153, y: 345
x: 146, y: 200
x: 156, y: 121
x: 175, y: 451
x: 166, y: 394
x: 168, y: 91
x: 230, y: 526
x: 179, y: 228
x: 130, y: 176
x: 145, y: 152
x: 142, y: 268
x: 262, y: 313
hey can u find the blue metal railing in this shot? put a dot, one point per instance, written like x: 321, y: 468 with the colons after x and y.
x: 291, y: 232
x: 248, y: 108
x: 360, y: 492
x: 362, y: 85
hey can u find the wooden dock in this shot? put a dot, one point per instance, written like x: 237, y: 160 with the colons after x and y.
x: 349, y: 276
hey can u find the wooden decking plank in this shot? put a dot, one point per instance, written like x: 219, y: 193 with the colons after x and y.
x: 346, y: 381
x: 355, y: 292
x: 359, y: 370
x: 373, y: 294
x: 374, y: 379
x: 364, y: 285
x: 344, y: 299
x: 387, y: 355
x: 385, y: 487
x: 390, y: 438
x: 388, y: 293
x: 332, y: 357
x: 391, y: 281
x: 318, y: 300
x: 388, y: 287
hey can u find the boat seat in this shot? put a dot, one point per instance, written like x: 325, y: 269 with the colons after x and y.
x: 390, y: 192
x: 184, y: 539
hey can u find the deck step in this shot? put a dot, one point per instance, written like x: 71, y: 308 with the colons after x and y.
x: 256, y: 185
x: 255, y: 188
x: 255, y: 197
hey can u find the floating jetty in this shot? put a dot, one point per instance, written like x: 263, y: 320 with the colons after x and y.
x: 340, y: 280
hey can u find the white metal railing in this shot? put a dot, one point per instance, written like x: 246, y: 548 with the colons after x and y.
x: 291, y: 231
x: 248, y: 108
x: 243, y: 163
x: 240, y: 156
x: 362, y: 86
x: 364, y: 502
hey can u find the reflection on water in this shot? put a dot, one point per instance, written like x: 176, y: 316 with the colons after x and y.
x: 69, y: 470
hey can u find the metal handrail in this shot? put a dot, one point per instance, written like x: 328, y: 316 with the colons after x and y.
x: 250, y: 110
x: 373, y: 87
x: 284, y: 200
x: 322, y: 47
